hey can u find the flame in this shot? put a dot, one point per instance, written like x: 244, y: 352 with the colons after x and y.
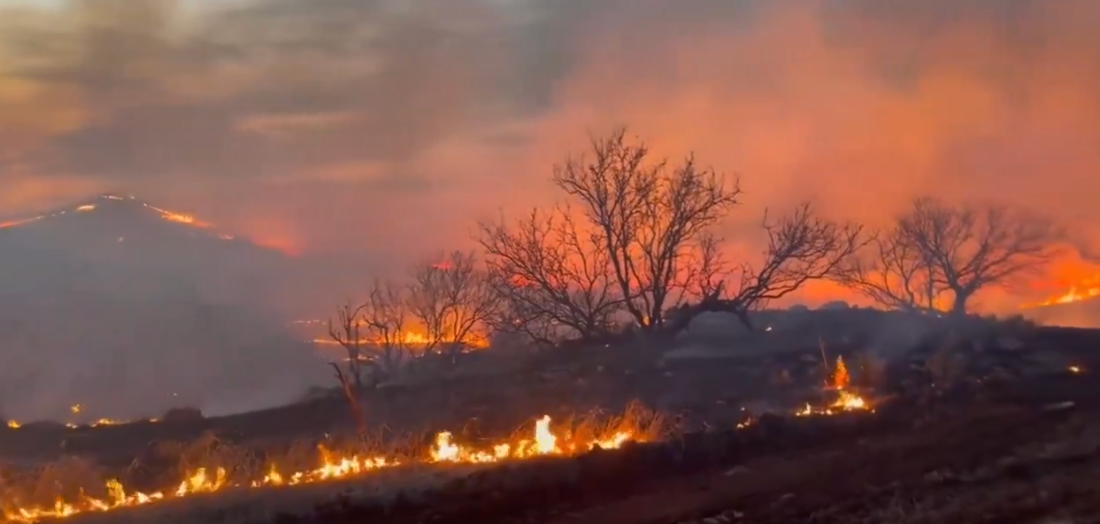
x: 14, y: 223
x: 846, y: 402
x: 840, y: 374
x: 179, y: 217
x: 79, y: 408
x: 84, y: 208
x: 333, y: 466
x: 411, y: 338
x: 1084, y: 289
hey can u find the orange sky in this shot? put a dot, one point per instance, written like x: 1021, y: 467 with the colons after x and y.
x: 367, y: 128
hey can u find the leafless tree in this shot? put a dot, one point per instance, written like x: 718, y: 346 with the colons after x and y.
x: 801, y: 247
x: 649, y: 215
x: 937, y: 248
x: 894, y: 273
x: 516, y: 315
x: 550, y: 276
x: 385, y: 315
x: 345, y: 332
x: 452, y: 299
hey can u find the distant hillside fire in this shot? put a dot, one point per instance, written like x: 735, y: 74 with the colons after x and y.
x: 101, y: 202
x: 1087, y: 289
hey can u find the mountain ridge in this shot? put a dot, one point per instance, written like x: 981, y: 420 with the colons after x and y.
x: 118, y: 208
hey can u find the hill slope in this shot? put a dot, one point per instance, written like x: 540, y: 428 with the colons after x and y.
x: 128, y: 309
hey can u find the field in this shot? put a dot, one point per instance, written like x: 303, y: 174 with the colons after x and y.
x: 702, y: 436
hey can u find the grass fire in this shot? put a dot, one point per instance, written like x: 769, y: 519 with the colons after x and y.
x: 636, y: 425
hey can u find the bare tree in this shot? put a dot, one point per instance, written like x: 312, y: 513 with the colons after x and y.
x: 345, y: 332
x: 516, y: 315
x: 801, y: 247
x: 550, y: 276
x: 649, y: 216
x: 937, y: 248
x: 894, y: 273
x: 452, y: 298
x: 385, y: 315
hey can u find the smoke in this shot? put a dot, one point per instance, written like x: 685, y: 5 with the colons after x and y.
x: 373, y: 132
x: 380, y: 126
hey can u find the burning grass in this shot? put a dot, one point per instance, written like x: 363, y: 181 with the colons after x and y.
x: 75, y: 486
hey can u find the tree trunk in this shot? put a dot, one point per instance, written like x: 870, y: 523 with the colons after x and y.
x: 743, y: 316
x: 958, y: 307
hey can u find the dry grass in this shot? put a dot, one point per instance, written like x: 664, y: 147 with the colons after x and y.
x: 166, y: 463
x: 241, y: 506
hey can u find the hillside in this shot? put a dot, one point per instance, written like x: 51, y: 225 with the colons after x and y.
x: 129, y: 309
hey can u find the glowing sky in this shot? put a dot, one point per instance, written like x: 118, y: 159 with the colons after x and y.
x: 391, y: 125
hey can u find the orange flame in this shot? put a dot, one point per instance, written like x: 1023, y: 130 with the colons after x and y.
x: 334, y: 466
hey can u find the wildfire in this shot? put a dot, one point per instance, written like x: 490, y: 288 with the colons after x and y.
x: 543, y: 442
x: 79, y: 408
x: 85, y: 208
x: 410, y: 338
x: 846, y: 402
x: 840, y: 374
x: 180, y: 218
x: 14, y: 223
x: 1084, y: 290
x: 846, y: 399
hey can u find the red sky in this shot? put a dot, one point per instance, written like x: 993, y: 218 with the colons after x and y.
x: 370, y: 127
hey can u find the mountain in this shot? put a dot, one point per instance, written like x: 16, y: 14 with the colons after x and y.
x: 128, y: 309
